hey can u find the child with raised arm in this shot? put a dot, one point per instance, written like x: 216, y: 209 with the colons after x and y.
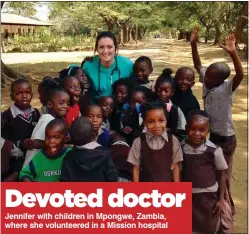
x: 156, y: 155
x: 217, y: 97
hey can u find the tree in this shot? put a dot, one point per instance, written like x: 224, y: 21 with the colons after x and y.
x: 241, y: 32
x: 127, y: 20
x: 7, y: 74
x: 21, y: 8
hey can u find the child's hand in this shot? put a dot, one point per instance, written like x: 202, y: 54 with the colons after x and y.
x: 28, y: 144
x: 127, y: 130
x: 218, y: 208
x: 230, y: 44
x: 194, y: 35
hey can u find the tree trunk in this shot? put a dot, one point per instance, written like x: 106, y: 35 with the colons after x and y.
x: 217, y: 35
x: 206, y: 35
x: 136, y: 37
x: 241, y: 25
x: 181, y: 35
x: 188, y: 35
x: 121, y: 33
x: 8, y: 75
x: 133, y: 33
x: 127, y: 33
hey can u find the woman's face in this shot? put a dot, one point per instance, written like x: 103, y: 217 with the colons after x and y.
x: 106, y: 50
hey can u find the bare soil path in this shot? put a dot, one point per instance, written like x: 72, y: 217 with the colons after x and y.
x: 164, y: 53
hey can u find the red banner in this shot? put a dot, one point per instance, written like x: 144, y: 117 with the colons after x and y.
x: 96, y: 208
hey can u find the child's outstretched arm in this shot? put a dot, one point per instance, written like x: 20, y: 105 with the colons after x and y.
x: 195, y: 54
x: 231, y: 49
x: 222, y: 186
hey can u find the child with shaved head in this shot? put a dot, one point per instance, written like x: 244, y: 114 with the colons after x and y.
x: 204, y: 165
x: 88, y: 161
x: 46, y: 165
x: 217, y: 95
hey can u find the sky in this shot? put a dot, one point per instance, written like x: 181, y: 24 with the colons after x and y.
x: 42, y: 12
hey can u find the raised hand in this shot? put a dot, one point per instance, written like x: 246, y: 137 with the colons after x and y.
x: 194, y: 35
x: 230, y: 44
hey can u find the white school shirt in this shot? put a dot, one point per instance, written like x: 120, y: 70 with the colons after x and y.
x: 218, y: 103
x: 38, y: 134
x: 181, y: 123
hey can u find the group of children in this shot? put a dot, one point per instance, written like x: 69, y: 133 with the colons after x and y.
x: 144, y: 132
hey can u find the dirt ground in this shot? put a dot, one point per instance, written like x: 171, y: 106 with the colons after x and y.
x: 164, y: 53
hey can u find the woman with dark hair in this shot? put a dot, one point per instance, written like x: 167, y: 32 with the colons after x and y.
x: 106, y: 67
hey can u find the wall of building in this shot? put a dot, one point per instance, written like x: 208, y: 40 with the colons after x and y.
x: 11, y: 30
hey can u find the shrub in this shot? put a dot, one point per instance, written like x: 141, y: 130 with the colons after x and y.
x: 47, y: 41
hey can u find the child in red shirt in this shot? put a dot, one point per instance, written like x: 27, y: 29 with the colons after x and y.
x: 72, y: 85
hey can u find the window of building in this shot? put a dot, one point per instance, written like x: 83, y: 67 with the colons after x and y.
x: 6, y: 33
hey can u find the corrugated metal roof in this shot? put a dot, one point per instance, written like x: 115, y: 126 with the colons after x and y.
x: 7, y: 18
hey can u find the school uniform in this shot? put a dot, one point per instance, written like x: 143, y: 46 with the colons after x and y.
x: 115, y: 118
x: 106, y: 124
x: 89, y: 163
x: 199, y: 167
x: 6, y: 147
x: 120, y: 151
x: 218, y: 103
x: 18, y: 125
x: 147, y: 85
x: 44, y: 110
x: 131, y: 117
x: 181, y: 121
x: 185, y: 101
x: 103, y: 138
x: 154, y: 155
x: 38, y: 134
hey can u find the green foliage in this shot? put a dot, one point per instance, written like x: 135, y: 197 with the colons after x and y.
x: 77, y: 22
x: 46, y: 41
x: 21, y: 8
x: 214, y: 19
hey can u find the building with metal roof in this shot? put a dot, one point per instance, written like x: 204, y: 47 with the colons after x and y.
x: 12, y: 24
